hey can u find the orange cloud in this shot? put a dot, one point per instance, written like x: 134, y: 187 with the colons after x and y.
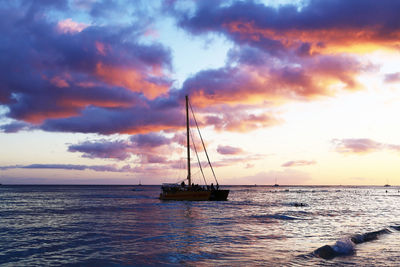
x: 59, y: 82
x: 326, y: 41
x: 260, y: 84
x: 39, y: 116
x: 131, y: 79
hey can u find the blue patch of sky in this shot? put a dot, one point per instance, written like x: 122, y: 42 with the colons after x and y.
x: 191, y: 54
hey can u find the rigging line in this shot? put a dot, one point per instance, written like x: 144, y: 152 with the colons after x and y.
x: 197, y: 156
x: 204, y: 146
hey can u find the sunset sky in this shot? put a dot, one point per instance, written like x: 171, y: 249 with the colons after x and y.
x: 302, y: 92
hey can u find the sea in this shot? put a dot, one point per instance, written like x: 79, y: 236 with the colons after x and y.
x: 65, y: 225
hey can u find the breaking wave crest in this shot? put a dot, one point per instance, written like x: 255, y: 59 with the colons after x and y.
x: 347, y: 246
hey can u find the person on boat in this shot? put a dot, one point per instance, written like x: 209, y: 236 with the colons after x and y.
x: 183, y: 184
x: 212, y: 186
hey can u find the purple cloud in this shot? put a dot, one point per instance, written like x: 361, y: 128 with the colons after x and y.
x: 392, y: 77
x: 16, y: 126
x: 100, y: 168
x: 150, y: 140
x: 102, y: 149
x: 229, y: 150
x: 297, y: 163
x: 59, y: 70
x: 361, y: 145
x: 147, y: 147
x: 314, y: 27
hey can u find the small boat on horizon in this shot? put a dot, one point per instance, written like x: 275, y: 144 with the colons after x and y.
x: 190, y: 191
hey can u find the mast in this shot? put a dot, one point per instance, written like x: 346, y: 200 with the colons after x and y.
x: 187, y: 140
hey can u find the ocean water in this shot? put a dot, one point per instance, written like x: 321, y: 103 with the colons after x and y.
x: 257, y: 226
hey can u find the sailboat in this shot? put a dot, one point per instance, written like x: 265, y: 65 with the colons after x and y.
x: 190, y: 191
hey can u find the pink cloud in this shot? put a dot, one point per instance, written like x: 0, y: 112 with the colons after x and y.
x: 70, y: 26
x: 361, y: 146
x: 297, y: 163
x: 392, y: 77
x: 101, y: 48
x: 229, y: 150
x: 59, y: 82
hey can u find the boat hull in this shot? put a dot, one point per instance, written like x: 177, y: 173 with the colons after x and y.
x: 219, y: 195
x: 209, y: 195
x: 186, y: 195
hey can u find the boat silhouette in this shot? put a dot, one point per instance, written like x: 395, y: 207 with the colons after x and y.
x: 190, y: 191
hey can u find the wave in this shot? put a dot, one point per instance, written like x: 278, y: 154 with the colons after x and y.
x: 347, y: 246
x: 276, y: 217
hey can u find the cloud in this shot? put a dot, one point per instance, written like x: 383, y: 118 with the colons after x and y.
x: 133, y: 120
x: 316, y: 27
x: 284, y: 53
x: 100, y: 168
x: 361, y: 146
x: 274, y: 80
x: 69, y: 76
x: 149, y: 148
x: 240, y: 121
x: 58, y: 70
x: 102, y: 149
x: 392, y: 77
x: 229, y: 150
x: 70, y: 26
x: 15, y: 126
x: 150, y: 140
x: 297, y: 163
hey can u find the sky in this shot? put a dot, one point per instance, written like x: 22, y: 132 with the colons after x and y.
x: 294, y: 92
